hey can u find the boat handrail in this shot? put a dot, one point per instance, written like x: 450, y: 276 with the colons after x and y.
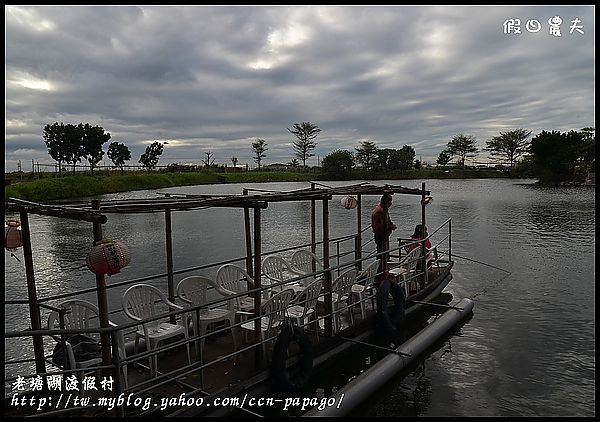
x: 166, y: 274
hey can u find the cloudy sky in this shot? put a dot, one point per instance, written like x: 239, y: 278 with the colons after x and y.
x: 213, y: 79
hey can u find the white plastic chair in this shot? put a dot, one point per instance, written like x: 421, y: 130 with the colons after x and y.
x: 366, y: 290
x: 141, y: 302
x: 341, y: 295
x: 194, y: 290
x: 433, y: 258
x: 272, y: 314
x: 408, y: 269
x: 235, y: 279
x: 81, y: 314
x: 277, y: 270
x: 301, y: 263
x: 304, y: 306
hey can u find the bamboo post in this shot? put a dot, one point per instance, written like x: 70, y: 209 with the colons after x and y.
x: 386, y: 244
x: 101, y: 294
x: 119, y: 382
x: 313, y: 229
x: 423, y: 248
x: 358, y: 243
x: 327, y: 274
x: 169, y: 247
x: 449, y: 240
x: 337, y: 257
x: 257, y: 285
x: 34, y: 309
x: 249, y: 269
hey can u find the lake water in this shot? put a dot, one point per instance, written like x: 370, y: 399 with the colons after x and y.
x: 528, y: 349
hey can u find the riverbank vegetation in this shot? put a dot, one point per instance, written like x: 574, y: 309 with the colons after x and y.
x: 553, y: 158
x: 52, y: 186
x: 66, y: 186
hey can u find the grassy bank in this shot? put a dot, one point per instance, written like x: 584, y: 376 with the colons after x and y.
x: 79, y: 186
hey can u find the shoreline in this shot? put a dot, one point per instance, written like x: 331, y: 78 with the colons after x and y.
x: 54, y: 187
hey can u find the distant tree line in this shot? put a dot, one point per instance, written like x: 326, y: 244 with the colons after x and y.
x: 305, y: 133
x: 71, y: 143
x: 558, y: 157
x: 553, y: 157
x: 369, y: 158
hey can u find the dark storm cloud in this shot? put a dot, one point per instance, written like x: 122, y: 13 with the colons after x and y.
x: 216, y: 78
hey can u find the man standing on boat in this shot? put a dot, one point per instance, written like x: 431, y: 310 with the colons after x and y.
x: 382, y: 229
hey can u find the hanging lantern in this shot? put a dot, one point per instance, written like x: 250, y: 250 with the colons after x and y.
x: 426, y: 200
x: 108, y: 257
x: 349, y: 202
x: 13, y: 237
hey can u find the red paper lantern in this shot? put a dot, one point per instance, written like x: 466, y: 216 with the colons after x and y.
x: 13, y: 237
x: 349, y: 202
x: 108, y: 257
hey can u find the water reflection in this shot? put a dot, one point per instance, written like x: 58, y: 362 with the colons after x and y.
x: 556, y: 219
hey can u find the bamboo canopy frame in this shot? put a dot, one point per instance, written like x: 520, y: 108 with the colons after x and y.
x: 95, y: 212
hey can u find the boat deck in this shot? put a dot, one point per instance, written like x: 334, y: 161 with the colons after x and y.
x: 229, y: 377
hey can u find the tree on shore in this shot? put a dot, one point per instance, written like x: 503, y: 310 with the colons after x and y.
x: 338, y: 165
x: 74, y: 144
x: 306, y: 133
x: 394, y: 159
x: 444, y: 158
x: 64, y: 143
x: 463, y: 146
x: 366, y: 155
x: 587, y: 150
x: 150, y: 158
x: 234, y: 161
x: 555, y: 155
x: 118, y: 154
x: 407, y: 157
x: 55, y: 139
x: 509, y: 145
x: 209, y: 160
x: 70, y: 143
x: 92, y: 139
x: 259, y: 147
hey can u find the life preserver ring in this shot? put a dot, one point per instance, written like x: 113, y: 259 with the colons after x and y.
x: 281, y: 378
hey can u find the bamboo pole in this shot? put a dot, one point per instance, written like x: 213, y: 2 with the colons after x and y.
x: 249, y: 269
x: 169, y: 247
x: 423, y: 248
x: 101, y: 294
x: 386, y: 244
x: 34, y: 309
x: 257, y: 284
x: 327, y: 274
x: 21, y: 206
x: 358, y: 243
x: 313, y: 229
x: 450, y: 240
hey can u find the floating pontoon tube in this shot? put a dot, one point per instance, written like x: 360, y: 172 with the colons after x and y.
x: 367, y: 383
